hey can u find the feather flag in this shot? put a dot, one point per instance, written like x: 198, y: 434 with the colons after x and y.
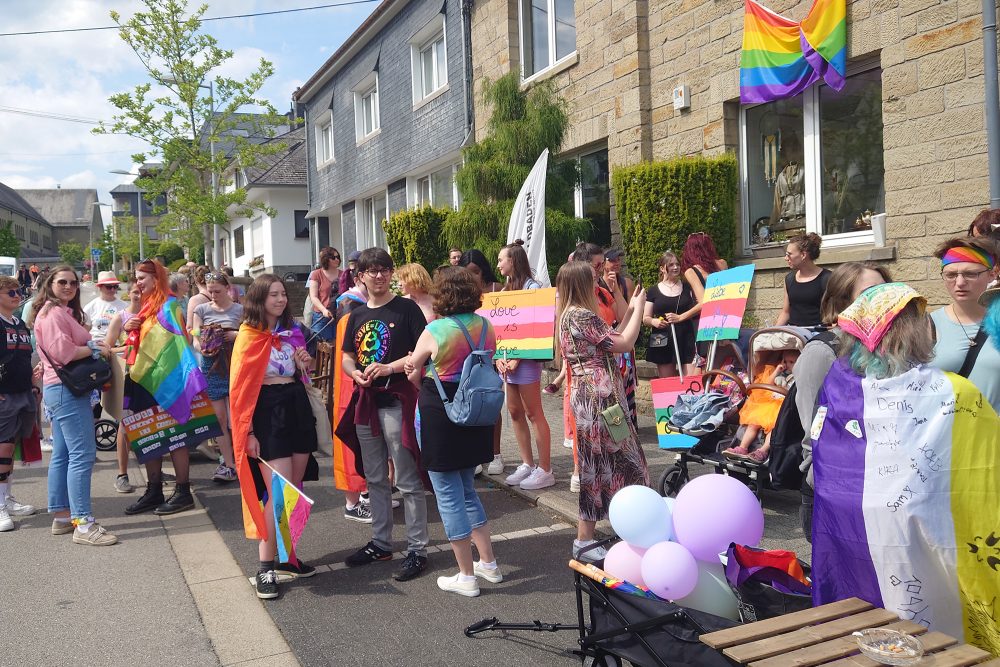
x: 781, y: 58
x: 906, y: 514
x: 164, y: 364
x: 291, y: 512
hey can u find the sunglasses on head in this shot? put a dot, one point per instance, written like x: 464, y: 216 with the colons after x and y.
x: 62, y: 282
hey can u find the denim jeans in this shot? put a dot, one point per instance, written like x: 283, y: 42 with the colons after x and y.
x: 74, y: 450
x: 325, y: 328
x: 458, y: 503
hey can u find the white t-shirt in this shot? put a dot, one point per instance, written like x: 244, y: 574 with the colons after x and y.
x: 100, y: 313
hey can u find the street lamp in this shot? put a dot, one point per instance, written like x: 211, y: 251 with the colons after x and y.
x: 113, y: 258
x: 140, y: 191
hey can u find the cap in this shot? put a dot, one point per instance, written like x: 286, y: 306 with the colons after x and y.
x: 987, y: 297
x: 354, y: 256
x: 614, y: 254
x: 107, y: 278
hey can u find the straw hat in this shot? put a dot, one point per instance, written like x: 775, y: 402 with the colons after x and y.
x: 987, y: 297
x: 107, y: 278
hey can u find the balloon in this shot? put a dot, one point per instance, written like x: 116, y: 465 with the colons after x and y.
x: 625, y: 562
x: 712, y: 593
x: 714, y: 510
x: 670, y: 504
x: 669, y: 570
x: 639, y: 516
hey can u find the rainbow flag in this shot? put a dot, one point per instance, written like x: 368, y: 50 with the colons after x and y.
x: 724, y: 303
x: 291, y: 513
x: 781, y: 58
x: 164, y: 364
x: 906, y: 515
x: 665, y: 392
x: 524, y: 321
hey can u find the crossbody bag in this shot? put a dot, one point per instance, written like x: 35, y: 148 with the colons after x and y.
x: 615, y: 420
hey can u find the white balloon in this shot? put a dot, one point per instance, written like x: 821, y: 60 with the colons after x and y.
x: 712, y: 593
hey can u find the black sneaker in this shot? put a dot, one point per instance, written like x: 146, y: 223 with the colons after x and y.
x: 150, y: 500
x: 362, y: 513
x: 366, y: 555
x: 413, y: 565
x: 290, y: 571
x: 179, y: 501
x: 266, y: 584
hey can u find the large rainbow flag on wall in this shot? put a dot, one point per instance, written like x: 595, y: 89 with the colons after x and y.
x: 781, y: 58
x: 906, y: 515
x: 164, y: 364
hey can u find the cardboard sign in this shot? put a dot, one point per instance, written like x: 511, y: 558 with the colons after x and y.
x: 153, y: 432
x: 665, y: 392
x: 524, y: 321
x: 724, y: 303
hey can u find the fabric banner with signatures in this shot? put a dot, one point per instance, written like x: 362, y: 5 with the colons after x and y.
x: 907, y: 507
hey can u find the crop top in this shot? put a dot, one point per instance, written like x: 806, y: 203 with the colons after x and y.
x: 282, y: 362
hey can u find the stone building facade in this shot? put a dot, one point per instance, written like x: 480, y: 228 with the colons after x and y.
x: 906, y: 136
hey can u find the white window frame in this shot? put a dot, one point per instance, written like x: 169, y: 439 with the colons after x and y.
x: 367, y: 89
x: 551, y: 25
x: 365, y: 225
x: 324, y: 130
x: 456, y: 201
x: 811, y: 152
x: 426, y: 38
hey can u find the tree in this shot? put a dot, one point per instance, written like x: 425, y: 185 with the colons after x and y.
x: 9, y: 245
x: 71, y: 253
x: 182, y: 125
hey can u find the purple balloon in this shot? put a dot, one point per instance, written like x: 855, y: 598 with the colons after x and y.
x: 624, y: 561
x: 669, y: 570
x: 714, y: 510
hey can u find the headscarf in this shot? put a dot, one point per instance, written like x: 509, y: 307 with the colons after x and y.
x: 964, y: 254
x: 873, y: 312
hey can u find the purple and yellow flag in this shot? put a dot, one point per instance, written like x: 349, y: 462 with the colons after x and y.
x: 291, y: 513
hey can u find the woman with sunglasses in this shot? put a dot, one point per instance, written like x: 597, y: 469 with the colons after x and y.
x: 323, y: 293
x: 62, y: 338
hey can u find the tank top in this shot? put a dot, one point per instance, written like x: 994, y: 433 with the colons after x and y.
x: 804, y: 299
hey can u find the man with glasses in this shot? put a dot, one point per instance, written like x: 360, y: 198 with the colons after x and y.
x: 379, y: 336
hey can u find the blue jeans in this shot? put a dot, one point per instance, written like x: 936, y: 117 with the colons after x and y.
x: 325, y: 328
x: 458, y: 503
x: 74, y: 450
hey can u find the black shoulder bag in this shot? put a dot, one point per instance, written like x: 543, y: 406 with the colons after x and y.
x: 83, y: 375
x: 974, y: 349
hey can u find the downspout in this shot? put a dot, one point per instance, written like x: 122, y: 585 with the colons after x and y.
x: 470, y: 118
x: 314, y: 222
x: 992, y: 98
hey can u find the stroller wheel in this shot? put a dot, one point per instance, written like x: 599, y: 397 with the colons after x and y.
x: 106, y: 434
x: 603, y: 660
x: 671, y: 481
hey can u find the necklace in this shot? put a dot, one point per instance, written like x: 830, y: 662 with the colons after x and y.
x: 972, y: 339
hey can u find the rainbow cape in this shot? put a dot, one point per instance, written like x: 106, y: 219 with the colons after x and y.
x: 907, y: 507
x: 291, y: 512
x: 164, y: 364
x: 781, y: 58
x: 345, y: 472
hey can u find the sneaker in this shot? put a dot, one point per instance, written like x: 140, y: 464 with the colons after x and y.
x: 365, y: 499
x: 46, y: 444
x: 521, y: 473
x: 62, y: 527
x: 148, y: 501
x: 179, y: 501
x: 574, y: 484
x: 266, y: 584
x: 122, y: 485
x: 479, y: 470
x: 6, y: 523
x: 413, y: 565
x: 290, y: 571
x: 224, y: 474
x: 96, y: 536
x: 395, y: 503
x: 496, y: 466
x: 490, y: 574
x: 568, y: 443
x: 362, y: 513
x: 538, y: 479
x: 469, y: 588
x: 206, y: 450
x: 758, y: 456
x: 15, y: 508
x: 590, y: 556
x: 366, y: 555
x: 739, y: 452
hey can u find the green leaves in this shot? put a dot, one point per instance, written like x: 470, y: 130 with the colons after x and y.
x: 71, y: 253
x: 414, y: 235
x: 9, y: 245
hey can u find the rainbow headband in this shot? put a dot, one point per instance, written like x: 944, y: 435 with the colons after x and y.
x: 963, y: 254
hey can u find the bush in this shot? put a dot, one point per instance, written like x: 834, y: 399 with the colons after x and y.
x: 660, y: 203
x: 176, y: 264
x: 415, y: 235
x: 170, y: 251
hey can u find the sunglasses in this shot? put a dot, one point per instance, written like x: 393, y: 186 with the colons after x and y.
x: 13, y: 293
x: 336, y: 257
x: 114, y: 287
x: 62, y: 282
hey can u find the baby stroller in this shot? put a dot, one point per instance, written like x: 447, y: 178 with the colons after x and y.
x: 727, y: 389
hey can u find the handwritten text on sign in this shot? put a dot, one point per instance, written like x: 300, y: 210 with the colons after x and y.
x: 524, y: 321
x: 665, y: 392
x: 724, y: 303
x: 153, y: 432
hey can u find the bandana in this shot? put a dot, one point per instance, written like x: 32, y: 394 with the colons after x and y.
x: 871, y: 315
x: 962, y: 254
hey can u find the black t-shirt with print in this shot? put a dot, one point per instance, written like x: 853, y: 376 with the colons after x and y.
x: 384, y: 334
x: 15, y: 357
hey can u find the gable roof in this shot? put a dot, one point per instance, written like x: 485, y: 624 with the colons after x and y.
x: 61, y: 207
x: 12, y: 201
x: 285, y: 168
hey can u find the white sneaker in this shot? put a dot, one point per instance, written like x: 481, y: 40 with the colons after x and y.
x: 479, y: 471
x: 496, y: 466
x: 5, y: 521
x: 574, y: 484
x: 491, y: 575
x: 15, y: 508
x: 46, y: 444
x: 568, y: 443
x: 469, y: 589
x: 522, y: 473
x: 591, y: 556
x: 538, y: 479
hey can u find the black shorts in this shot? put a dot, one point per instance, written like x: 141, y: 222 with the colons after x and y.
x: 283, y: 421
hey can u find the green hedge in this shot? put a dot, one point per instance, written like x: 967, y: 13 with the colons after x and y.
x: 415, y: 235
x: 660, y: 203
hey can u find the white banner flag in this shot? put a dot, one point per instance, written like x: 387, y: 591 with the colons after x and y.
x: 527, y: 220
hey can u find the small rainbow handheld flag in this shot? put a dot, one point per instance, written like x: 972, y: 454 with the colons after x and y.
x: 291, y: 513
x: 781, y: 58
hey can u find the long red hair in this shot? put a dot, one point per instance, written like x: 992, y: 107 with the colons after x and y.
x: 153, y: 300
x: 700, y: 251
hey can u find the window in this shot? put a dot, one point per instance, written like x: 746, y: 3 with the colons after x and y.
x: 324, y: 139
x: 238, y: 241
x: 813, y: 163
x: 548, y: 34
x: 370, y: 230
x: 301, y: 225
x: 19, y: 232
x: 424, y: 191
x: 241, y: 178
x: 366, y: 116
x: 429, y: 59
x: 437, y: 188
x: 46, y: 242
x: 593, y: 199
x: 34, y: 237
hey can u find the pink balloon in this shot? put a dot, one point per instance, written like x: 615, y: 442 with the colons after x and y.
x: 714, y: 510
x: 669, y: 570
x: 624, y: 561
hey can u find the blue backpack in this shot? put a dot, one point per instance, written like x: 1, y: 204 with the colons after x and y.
x: 479, y: 398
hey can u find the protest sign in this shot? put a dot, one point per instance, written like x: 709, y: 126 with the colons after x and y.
x: 153, y: 432
x: 724, y: 303
x: 524, y: 321
x: 665, y: 392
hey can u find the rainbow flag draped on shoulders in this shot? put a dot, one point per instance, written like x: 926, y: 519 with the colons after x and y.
x: 781, y: 58
x: 907, y: 506
x: 164, y: 364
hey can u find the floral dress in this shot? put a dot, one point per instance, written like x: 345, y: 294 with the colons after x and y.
x: 605, y: 465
